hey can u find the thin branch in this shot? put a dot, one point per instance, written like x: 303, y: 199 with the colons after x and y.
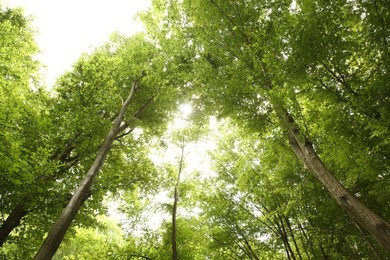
x: 230, y: 20
x: 124, y: 134
x: 339, y: 79
x: 137, y: 114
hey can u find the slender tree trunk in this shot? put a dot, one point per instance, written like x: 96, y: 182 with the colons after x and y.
x: 57, y: 233
x: 174, y: 245
x: 366, y: 218
x: 293, y: 237
x: 286, y: 245
x: 250, y: 252
x: 308, y: 241
x: 175, y: 201
x: 12, y: 221
x: 284, y: 236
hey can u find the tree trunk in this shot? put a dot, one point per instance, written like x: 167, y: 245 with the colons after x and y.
x: 57, y: 233
x: 12, y: 221
x: 174, y: 246
x: 366, y: 218
x: 293, y: 237
x: 174, y: 210
x: 284, y: 236
x: 308, y: 241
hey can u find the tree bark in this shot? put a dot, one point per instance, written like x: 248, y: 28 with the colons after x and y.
x: 308, y: 242
x: 284, y: 236
x: 57, y: 233
x: 174, y: 245
x: 175, y: 201
x: 366, y: 218
x: 293, y: 237
x: 12, y: 221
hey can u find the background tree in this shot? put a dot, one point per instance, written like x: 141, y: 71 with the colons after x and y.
x: 140, y: 59
x: 260, y: 203
x: 23, y: 150
x: 76, y: 120
x: 257, y: 39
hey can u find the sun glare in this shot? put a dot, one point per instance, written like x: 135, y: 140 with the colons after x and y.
x: 185, y: 110
x: 181, y: 118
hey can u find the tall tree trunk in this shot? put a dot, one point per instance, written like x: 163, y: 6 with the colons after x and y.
x: 366, y: 218
x: 286, y: 247
x: 174, y: 245
x: 175, y: 201
x: 308, y: 241
x: 250, y: 253
x: 285, y: 239
x: 293, y: 237
x: 57, y: 233
x: 12, y: 221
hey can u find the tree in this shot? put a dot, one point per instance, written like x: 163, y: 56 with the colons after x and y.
x: 258, y: 40
x: 149, y: 110
x: 180, y: 230
x: 22, y: 102
x: 82, y: 193
x: 78, y: 117
x: 176, y: 195
x: 76, y: 129
x: 260, y: 202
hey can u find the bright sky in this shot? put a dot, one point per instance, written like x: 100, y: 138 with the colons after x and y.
x: 68, y: 28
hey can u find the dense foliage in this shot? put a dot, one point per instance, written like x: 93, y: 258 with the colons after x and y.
x: 282, y: 93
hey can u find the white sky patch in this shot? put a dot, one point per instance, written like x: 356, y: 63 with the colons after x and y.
x: 156, y: 218
x: 186, y: 110
x: 66, y: 29
x: 113, y: 210
x: 293, y: 7
x: 197, y: 157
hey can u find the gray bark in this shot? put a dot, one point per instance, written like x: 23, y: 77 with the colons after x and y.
x: 365, y: 217
x: 175, y: 201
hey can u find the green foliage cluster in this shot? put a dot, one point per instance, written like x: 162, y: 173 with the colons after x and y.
x: 266, y: 204
x: 245, y: 65
x: 48, y: 140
